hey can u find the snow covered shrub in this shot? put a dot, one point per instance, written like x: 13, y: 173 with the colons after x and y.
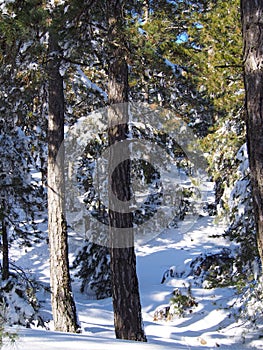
x: 19, y: 301
x: 22, y: 195
x: 169, y: 273
x: 211, y: 269
x: 214, y: 269
x: 180, y: 304
x: 162, y: 313
x: 251, y: 302
x: 235, y: 203
x: 7, y: 337
x: 221, y: 146
x: 242, y: 226
x: 93, y: 268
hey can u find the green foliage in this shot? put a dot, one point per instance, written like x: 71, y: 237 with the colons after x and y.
x: 6, y: 337
x: 217, y: 58
x: 216, y: 39
x: 93, y: 268
x: 160, y: 64
x: 186, y: 56
x: 181, y: 303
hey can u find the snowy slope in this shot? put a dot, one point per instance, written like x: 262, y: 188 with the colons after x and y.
x: 209, y: 325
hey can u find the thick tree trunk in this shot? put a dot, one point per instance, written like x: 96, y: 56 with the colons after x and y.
x: 63, y: 306
x: 125, y: 289
x: 252, y: 22
x: 5, y: 267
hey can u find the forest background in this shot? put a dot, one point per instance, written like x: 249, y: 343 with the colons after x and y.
x: 184, y: 56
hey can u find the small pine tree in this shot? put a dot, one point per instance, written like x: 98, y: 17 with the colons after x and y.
x: 242, y: 224
x: 93, y: 268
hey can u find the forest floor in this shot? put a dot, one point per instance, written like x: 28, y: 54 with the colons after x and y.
x: 211, y: 324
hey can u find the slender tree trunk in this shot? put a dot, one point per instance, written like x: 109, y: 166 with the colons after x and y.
x: 252, y: 22
x: 5, y: 267
x: 125, y: 289
x: 63, y: 306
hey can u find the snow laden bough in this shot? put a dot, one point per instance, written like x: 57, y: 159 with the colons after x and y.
x: 208, y: 270
x: 19, y: 300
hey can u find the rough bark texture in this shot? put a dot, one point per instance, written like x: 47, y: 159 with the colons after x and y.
x: 5, y: 267
x: 63, y: 306
x: 125, y: 289
x: 252, y: 22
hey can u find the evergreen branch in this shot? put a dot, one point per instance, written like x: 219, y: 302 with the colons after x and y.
x: 229, y: 66
x: 72, y: 61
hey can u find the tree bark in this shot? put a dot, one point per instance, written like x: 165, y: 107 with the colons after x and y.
x: 252, y: 23
x: 125, y: 288
x: 5, y: 267
x: 63, y: 306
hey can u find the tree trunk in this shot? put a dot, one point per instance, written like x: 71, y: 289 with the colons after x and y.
x: 63, y: 306
x: 125, y: 289
x: 5, y: 267
x: 252, y: 22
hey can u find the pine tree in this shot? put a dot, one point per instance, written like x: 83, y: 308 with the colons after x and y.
x: 161, y: 66
x: 218, y: 73
x: 217, y: 59
x: 151, y: 49
x: 252, y: 14
x: 21, y: 197
x: 241, y: 228
x: 125, y: 289
x: 92, y: 263
x: 63, y: 305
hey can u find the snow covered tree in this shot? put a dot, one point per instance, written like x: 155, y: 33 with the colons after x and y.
x: 22, y: 130
x: 241, y: 228
x: 218, y: 65
x: 21, y: 195
x: 151, y: 48
x: 92, y: 263
x: 30, y: 53
x: 217, y: 60
x: 26, y: 59
x: 252, y: 19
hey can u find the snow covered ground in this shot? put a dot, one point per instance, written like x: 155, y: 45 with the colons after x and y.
x: 210, y: 325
